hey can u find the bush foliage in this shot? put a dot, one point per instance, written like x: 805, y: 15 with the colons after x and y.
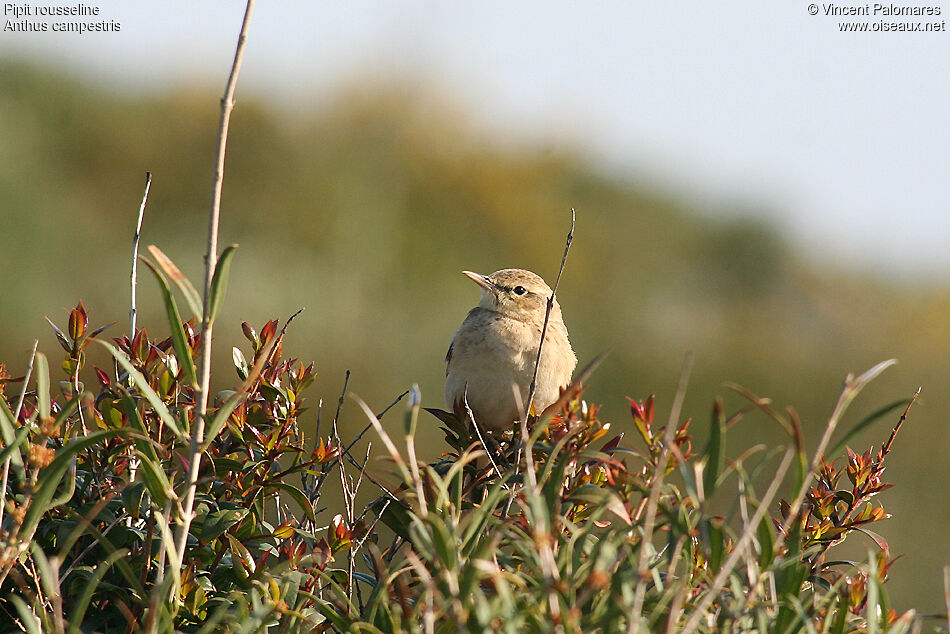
x: 567, y: 526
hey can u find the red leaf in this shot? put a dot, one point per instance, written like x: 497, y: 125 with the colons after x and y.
x: 78, y: 321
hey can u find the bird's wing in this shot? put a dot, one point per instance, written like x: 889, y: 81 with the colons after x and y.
x: 448, y: 357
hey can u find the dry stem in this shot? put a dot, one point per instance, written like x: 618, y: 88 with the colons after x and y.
x: 197, y: 436
x: 135, y: 252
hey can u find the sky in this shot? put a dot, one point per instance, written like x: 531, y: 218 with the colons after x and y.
x: 842, y: 138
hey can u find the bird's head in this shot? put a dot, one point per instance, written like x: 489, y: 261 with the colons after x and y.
x: 515, y: 293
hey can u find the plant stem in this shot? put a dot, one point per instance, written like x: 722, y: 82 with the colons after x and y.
x: 135, y: 252
x: 197, y: 435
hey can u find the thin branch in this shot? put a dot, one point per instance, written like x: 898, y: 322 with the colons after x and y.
x: 135, y: 252
x: 471, y: 417
x: 283, y: 331
x: 95, y: 542
x: 334, y: 434
x: 346, y: 450
x: 197, y: 436
x: 890, y: 441
x: 339, y: 404
x: 544, y: 327
x: 133, y: 459
x: 529, y: 459
x: 377, y: 483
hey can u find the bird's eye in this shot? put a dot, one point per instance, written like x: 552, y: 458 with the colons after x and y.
x: 519, y: 290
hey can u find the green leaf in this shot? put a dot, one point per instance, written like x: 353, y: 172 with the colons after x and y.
x: 188, y: 291
x: 174, y: 323
x: 219, y: 283
x: 397, y: 516
x: 45, y: 572
x: 222, y: 466
x: 297, y: 495
x: 12, y: 447
x: 78, y: 609
x: 601, y: 498
x: 841, y: 615
x: 42, y: 385
x: 152, y: 471
x: 241, y: 557
x: 480, y: 516
x: 28, y: 618
x: 712, y: 533
x: 131, y: 578
x: 67, y: 411
x: 8, y: 429
x: 67, y: 494
x: 221, y: 417
x: 240, y: 363
x: 50, y: 477
x: 788, y: 582
x: 217, y: 522
x: 715, y: 451
x: 443, y: 544
x: 766, y: 543
x: 142, y: 386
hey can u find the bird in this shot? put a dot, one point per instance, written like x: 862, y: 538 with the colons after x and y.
x: 495, y: 349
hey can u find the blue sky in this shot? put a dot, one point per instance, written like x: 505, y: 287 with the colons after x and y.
x: 841, y: 138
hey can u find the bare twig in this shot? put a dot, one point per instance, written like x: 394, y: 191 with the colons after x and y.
x: 334, y: 435
x: 471, y: 417
x: 339, y: 404
x: 346, y: 450
x: 546, y: 554
x: 890, y: 441
x: 133, y: 459
x: 135, y: 252
x: 319, y: 418
x: 529, y: 459
x: 544, y: 327
x: 283, y: 331
x: 197, y: 436
x: 377, y: 483
x: 94, y: 542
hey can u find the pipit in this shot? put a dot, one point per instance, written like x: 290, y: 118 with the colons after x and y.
x: 494, y: 351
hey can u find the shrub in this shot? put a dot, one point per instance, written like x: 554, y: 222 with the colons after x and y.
x: 140, y: 506
x: 566, y: 527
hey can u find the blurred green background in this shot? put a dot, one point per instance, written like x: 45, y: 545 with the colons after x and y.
x: 366, y: 209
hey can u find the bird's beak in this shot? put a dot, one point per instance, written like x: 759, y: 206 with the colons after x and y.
x: 481, y: 280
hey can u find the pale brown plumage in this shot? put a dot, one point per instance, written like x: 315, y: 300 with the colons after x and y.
x: 495, y: 349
